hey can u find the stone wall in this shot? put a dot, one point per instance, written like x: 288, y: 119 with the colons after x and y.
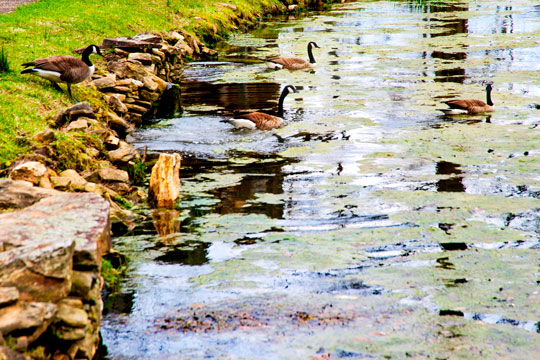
x: 51, y: 245
x: 50, y: 261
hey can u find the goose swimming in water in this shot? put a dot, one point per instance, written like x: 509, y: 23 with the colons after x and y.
x: 293, y: 63
x: 64, y: 68
x: 470, y: 106
x: 258, y: 120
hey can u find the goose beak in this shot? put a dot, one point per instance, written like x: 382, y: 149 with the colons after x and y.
x: 291, y: 87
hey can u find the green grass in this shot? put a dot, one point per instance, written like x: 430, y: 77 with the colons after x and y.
x: 51, y: 27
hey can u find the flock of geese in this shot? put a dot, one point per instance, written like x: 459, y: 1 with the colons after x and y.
x: 71, y: 70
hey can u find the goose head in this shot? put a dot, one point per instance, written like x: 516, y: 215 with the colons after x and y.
x: 287, y: 88
x: 310, y: 45
x: 92, y: 49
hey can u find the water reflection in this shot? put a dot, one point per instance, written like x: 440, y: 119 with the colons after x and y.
x: 119, y: 303
x: 234, y: 199
x: 454, y: 184
x: 449, y: 27
x: 447, y: 168
x: 258, y: 95
x: 189, y: 253
x: 166, y: 221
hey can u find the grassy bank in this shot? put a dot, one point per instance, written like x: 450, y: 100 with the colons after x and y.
x: 51, y: 27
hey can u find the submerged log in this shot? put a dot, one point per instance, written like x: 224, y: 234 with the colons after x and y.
x: 165, y: 180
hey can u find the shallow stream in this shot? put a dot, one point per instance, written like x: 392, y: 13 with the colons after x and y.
x: 371, y: 225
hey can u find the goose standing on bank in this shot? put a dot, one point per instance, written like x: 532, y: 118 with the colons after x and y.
x: 257, y: 120
x: 64, y: 68
x: 293, y: 63
x: 470, y: 106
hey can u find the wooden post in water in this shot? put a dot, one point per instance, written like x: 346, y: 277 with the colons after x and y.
x: 165, y: 180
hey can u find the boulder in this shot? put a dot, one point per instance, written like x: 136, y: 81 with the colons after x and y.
x: 74, y: 112
x: 125, y: 68
x: 209, y: 52
x: 150, y: 95
x: 77, y: 125
x: 100, y: 190
x: 34, y: 317
x: 133, y: 84
x: 165, y: 180
x: 68, y: 180
x: 105, y: 82
x: 110, y: 175
x: 159, y: 54
x: 149, y: 83
x: 175, y: 36
x: 194, y: 43
x: 67, y: 333
x: 116, y: 103
x: 184, y: 47
x: 45, y: 136
x: 49, y: 239
x: 33, y: 172
x: 82, y: 284
x: 9, y: 354
x: 20, y: 194
x: 143, y: 58
x: 72, y: 316
x: 122, y: 89
x: 135, y: 118
x: 133, y: 43
x: 121, y: 53
x: 8, y: 295
x: 138, y: 108
x: 111, y: 142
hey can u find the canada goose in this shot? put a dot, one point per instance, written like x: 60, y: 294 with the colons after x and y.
x: 247, y: 119
x: 293, y: 63
x: 470, y: 106
x: 64, y: 68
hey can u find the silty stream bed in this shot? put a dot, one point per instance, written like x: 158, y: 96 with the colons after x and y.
x: 369, y: 226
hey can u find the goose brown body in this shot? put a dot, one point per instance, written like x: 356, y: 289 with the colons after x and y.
x: 295, y: 63
x: 261, y: 120
x: 64, y: 68
x: 471, y: 106
x: 291, y: 63
x: 258, y: 120
x: 70, y: 68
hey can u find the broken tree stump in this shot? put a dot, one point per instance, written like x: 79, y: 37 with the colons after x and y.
x: 165, y: 180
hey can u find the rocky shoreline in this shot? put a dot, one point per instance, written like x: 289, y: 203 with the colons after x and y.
x: 59, y: 219
x: 50, y: 278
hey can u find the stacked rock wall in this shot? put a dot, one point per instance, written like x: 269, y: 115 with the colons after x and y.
x: 50, y: 261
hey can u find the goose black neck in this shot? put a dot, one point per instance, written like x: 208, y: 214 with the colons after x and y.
x: 284, y: 93
x: 86, y: 56
x: 310, y: 53
x: 488, y: 97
